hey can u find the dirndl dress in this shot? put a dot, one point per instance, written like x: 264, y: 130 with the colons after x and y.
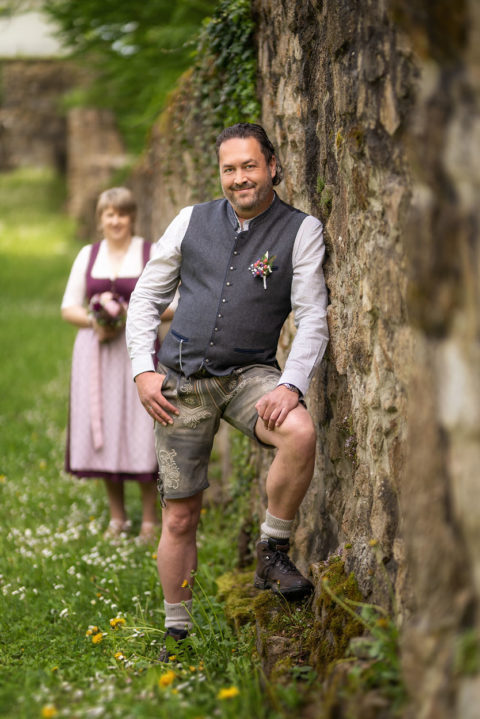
x: 110, y: 435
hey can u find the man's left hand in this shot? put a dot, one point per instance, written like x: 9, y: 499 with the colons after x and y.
x: 274, y: 406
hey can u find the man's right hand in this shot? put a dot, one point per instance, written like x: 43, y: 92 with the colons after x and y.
x: 149, y: 387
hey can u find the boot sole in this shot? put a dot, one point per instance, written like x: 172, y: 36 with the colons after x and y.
x: 291, y: 593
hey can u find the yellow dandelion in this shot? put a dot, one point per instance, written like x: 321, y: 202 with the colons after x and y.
x: 154, y: 556
x: 174, y: 691
x: 184, y: 583
x: 42, y: 464
x: 99, y: 595
x: 97, y: 638
x: 3, y: 478
x: 166, y: 679
x: 49, y: 711
x: 228, y: 693
x: 172, y: 658
x: 91, y: 630
x: 200, y: 666
x: 120, y: 656
x: 203, y: 510
x: 373, y: 542
x: 383, y: 623
x: 54, y: 669
x: 193, y: 669
x: 116, y: 621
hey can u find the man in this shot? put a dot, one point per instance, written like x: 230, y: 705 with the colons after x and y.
x: 242, y: 263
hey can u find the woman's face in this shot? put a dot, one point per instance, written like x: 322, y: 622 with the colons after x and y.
x: 116, y: 226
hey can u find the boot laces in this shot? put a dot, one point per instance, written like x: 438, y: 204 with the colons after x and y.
x: 282, y: 561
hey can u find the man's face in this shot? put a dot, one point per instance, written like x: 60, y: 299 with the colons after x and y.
x: 245, y: 176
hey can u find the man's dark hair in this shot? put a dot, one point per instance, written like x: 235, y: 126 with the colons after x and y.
x: 250, y: 129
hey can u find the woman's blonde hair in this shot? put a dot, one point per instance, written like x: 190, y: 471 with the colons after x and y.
x: 121, y: 199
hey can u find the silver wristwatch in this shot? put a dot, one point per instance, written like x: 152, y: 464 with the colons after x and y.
x: 291, y: 387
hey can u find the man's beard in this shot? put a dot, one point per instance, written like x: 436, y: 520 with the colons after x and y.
x: 255, y: 199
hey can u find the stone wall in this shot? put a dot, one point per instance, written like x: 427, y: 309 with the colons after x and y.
x: 336, y: 88
x: 32, y: 121
x: 374, y: 108
x: 95, y: 152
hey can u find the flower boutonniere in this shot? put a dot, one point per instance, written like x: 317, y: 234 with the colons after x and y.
x: 262, y: 268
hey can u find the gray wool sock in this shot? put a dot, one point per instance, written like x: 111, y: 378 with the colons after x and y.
x: 178, y: 615
x: 275, y: 527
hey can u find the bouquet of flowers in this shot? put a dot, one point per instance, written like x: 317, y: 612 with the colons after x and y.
x: 108, y: 309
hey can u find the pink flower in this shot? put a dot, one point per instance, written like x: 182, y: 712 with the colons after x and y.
x: 108, y: 309
x: 262, y: 268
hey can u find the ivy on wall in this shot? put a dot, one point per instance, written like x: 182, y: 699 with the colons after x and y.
x: 219, y: 90
x: 224, y: 77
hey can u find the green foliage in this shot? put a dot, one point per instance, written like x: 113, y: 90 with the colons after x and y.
x: 224, y: 77
x: 136, y: 52
x: 219, y: 90
x: 467, y: 653
x: 378, y: 649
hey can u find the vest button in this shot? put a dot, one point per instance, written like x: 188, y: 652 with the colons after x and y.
x: 216, y: 329
x: 207, y: 361
x: 229, y: 284
x: 224, y: 300
x: 235, y: 252
x: 211, y: 344
x: 231, y: 267
x: 219, y: 315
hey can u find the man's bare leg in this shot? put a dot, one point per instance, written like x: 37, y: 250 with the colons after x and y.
x: 177, y: 549
x: 288, y: 479
x: 291, y: 471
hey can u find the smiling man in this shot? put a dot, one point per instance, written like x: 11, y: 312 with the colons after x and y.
x: 243, y: 263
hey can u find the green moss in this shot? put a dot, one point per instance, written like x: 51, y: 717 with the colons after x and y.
x: 467, y: 653
x: 334, y: 627
x: 320, y: 184
x: 326, y: 200
x: 236, y: 590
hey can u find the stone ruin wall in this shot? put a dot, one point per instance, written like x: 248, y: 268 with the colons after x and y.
x: 32, y: 122
x: 38, y: 130
x: 335, y: 89
x: 374, y: 110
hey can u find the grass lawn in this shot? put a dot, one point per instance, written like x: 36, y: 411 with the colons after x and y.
x: 81, y: 618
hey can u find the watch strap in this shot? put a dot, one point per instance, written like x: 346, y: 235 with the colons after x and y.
x: 291, y: 387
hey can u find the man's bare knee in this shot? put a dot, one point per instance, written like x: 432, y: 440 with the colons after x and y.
x: 179, y: 519
x: 300, y: 433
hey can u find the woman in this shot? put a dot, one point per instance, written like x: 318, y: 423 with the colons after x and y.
x: 109, y: 434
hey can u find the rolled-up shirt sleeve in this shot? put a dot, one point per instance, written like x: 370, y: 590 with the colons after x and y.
x: 309, y: 304
x: 153, y: 293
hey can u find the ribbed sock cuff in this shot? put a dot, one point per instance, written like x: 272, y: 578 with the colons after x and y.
x: 275, y: 527
x: 178, y: 615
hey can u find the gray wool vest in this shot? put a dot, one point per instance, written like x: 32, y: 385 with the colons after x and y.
x: 225, y: 318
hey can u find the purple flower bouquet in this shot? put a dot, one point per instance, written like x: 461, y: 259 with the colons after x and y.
x: 108, y: 309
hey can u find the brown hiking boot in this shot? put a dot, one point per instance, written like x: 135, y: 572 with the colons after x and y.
x: 177, y: 635
x: 276, y: 571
